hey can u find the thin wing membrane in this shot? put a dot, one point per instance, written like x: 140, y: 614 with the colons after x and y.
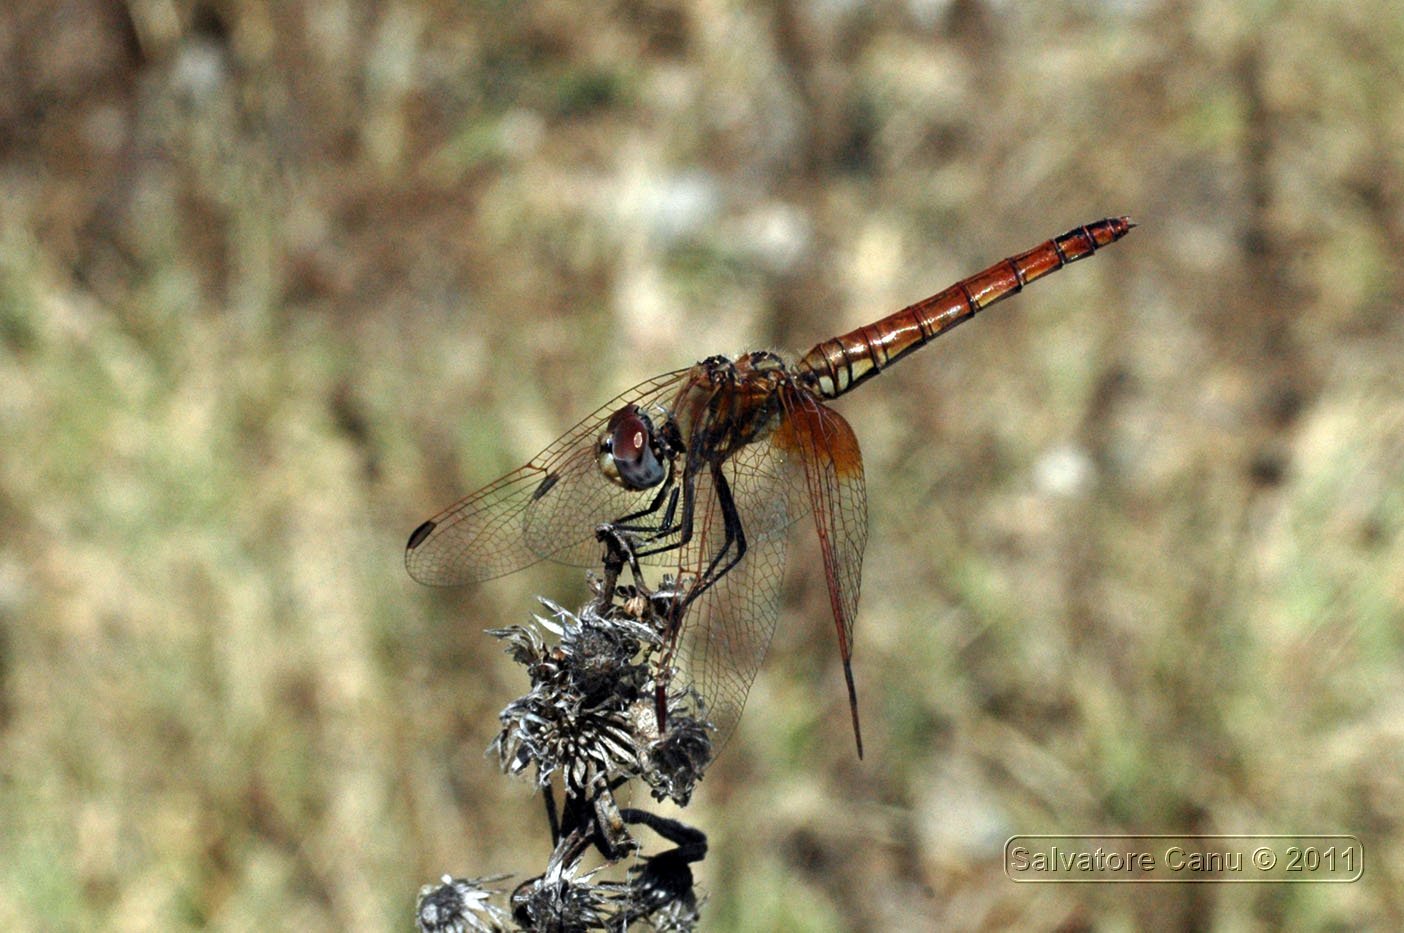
x: 825, y: 445
x: 728, y: 628
x: 546, y: 509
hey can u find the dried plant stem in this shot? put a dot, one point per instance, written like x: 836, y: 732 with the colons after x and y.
x: 590, y: 725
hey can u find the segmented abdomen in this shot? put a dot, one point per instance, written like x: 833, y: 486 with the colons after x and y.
x: 836, y: 366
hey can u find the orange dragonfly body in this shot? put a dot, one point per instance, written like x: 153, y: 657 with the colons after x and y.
x: 705, y: 469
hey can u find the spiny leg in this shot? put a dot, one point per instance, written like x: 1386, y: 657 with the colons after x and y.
x: 734, y: 541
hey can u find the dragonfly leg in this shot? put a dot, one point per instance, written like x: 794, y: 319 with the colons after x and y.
x: 667, y: 492
x: 734, y: 544
x: 667, y: 527
x: 734, y: 540
x: 667, y: 524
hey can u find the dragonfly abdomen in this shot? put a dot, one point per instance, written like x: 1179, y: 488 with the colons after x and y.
x: 836, y: 366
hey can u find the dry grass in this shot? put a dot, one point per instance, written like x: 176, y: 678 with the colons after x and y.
x: 279, y: 280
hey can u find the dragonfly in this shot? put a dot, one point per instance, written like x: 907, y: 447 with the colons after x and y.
x: 705, y: 469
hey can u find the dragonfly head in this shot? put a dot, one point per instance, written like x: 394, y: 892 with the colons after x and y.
x: 629, y: 450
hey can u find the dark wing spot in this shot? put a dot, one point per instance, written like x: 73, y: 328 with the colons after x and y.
x: 545, y: 486
x: 419, y: 534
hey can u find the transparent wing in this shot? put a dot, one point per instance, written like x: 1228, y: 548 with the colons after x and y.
x: 826, y: 448
x: 811, y: 464
x: 547, y: 509
x: 728, y: 628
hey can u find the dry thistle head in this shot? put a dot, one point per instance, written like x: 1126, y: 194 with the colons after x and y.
x: 458, y: 905
x: 591, y: 711
x: 591, y: 716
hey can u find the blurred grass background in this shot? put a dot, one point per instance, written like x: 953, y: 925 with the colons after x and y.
x: 278, y: 281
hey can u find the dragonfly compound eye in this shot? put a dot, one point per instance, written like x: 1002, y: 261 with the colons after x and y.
x: 628, y: 451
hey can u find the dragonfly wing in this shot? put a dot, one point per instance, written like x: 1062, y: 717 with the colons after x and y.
x: 825, y: 446
x: 728, y: 628
x: 477, y: 538
x: 548, y: 508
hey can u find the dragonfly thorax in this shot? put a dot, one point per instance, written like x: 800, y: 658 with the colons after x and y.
x: 732, y: 403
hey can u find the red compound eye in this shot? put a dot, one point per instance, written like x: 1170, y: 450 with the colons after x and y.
x: 627, y: 450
